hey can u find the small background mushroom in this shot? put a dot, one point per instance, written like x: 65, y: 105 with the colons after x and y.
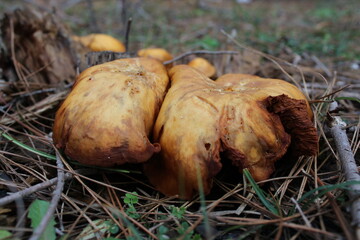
x: 100, y: 42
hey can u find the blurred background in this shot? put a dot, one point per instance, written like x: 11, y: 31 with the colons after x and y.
x: 326, y: 28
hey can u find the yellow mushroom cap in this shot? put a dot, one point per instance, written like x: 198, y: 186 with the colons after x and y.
x: 157, y: 53
x: 250, y: 121
x: 95, y: 124
x: 203, y: 66
x: 101, y: 42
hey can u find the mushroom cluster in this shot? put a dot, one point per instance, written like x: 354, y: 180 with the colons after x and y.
x: 115, y: 107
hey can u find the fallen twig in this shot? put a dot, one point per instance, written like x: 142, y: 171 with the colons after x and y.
x: 54, y: 201
x: 30, y: 190
x: 20, y: 208
x: 199, y: 52
x: 348, y: 164
x: 34, y: 110
x: 127, y: 34
x: 306, y: 220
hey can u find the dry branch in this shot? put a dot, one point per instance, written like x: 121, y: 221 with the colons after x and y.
x: 34, y: 110
x: 31, y: 190
x: 199, y: 52
x: 348, y: 163
x: 20, y: 207
x: 54, y: 201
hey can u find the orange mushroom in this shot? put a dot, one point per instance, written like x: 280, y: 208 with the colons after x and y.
x: 203, y: 66
x: 101, y: 42
x: 109, y: 114
x: 251, y: 120
x: 158, y: 53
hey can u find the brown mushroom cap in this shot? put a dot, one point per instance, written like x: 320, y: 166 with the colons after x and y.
x: 200, y: 118
x: 107, y: 117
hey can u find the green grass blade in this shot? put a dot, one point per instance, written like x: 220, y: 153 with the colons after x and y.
x: 310, y: 196
x: 322, y: 190
x: 348, y: 98
x: 202, y: 200
x: 52, y: 157
x: 260, y: 193
x: 26, y: 147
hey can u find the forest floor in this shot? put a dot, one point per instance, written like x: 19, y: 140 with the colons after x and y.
x: 312, y: 44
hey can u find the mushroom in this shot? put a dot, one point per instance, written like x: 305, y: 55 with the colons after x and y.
x: 157, y: 53
x: 250, y: 120
x: 203, y: 66
x: 107, y: 117
x: 101, y: 42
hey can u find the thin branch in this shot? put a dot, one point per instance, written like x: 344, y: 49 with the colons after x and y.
x: 127, y: 34
x: 306, y: 220
x: 31, y: 190
x: 199, y: 52
x: 42, y: 185
x: 336, y: 91
x: 348, y: 164
x: 54, y: 201
x: 20, y: 208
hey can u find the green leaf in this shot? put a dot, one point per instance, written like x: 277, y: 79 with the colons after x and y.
x: 177, y: 212
x: 162, y: 230
x: 182, y: 229
x: 114, y: 229
x: 131, y: 198
x: 37, y: 211
x: 131, y: 212
x: 4, y: 234
x: 260, y: 193
x: 101, y: 227
x: 196, y: 237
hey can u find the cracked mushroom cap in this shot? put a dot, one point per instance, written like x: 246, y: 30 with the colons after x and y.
x: 251, y: 120
x: 108, y: 115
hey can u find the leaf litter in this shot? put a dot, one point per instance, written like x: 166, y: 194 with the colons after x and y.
x: 305, y: 198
